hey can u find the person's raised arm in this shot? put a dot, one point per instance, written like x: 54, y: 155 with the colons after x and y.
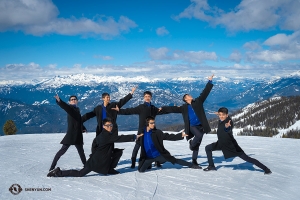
x: 205, y: 92
x: 88, y: 115
x: 67, y: 108
x: 124, y: 100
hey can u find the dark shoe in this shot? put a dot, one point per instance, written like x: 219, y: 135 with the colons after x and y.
x: 54, y: 173
x: 157, y: 164
x: 133, y: 162
x: 210, y: 168
x: 195, y: 162
x: 113, y: 171
x: 150, y: 167
x: 196, y: 167
x: 268, y: 171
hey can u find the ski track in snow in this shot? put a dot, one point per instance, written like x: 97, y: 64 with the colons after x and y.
x: 25, y: 160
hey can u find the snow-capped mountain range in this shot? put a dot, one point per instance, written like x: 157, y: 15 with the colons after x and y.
x: 32, y: 105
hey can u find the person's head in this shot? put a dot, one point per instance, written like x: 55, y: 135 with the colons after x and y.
x: 73, y: 100
x: 105, y: 97
x: 223, y: 113
x: 150, y: 122
x: 187, y: 98
x: 107, y: 124
x: 147, y: 96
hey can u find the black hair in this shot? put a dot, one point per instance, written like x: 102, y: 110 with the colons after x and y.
x: 72, y: 96
x: 148, y: 92
x: 104, y: 95
x: 107, y: 119
x: 184, y: 97
x: 223, y: 110
x: 148, y: 120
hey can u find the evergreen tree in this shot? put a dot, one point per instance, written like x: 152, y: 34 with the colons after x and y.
x: 9, y: 128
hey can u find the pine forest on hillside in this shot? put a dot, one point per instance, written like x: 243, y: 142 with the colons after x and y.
x: 266, y: 117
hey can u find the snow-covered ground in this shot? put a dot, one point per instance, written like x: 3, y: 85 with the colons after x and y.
x: 25, y: 160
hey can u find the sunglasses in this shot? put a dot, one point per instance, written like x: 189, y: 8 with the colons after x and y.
x: 151, y: 122
x: 108, y: 125
x: 73, y: 99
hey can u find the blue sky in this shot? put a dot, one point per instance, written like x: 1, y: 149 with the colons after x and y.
x: 157, y: 38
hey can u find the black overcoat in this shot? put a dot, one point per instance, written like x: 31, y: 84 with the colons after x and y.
x: 197, y: 105
x: 100, y: 160
x: 226, y: 141
x: 157, y: 137
x: 75, y: 127
x: 112, y: 114
x: 143, y: 110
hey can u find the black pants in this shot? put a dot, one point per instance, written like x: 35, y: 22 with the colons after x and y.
x: 75, y: 173
x: 198, y: 133
x: 135, y: 150
x: 161, y: 159
x: 209, y: 149
x: 115, y: 157
x: 63, y: 150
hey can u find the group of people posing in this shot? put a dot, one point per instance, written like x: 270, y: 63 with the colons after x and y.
x: 104, y: 156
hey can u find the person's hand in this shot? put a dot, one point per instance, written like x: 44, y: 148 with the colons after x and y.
x: 159, y: 109
x: 116, y: 108
x: 57, y: 98
x: 138, y: 136
x: 227, y: 124
x: 133, y: 89
x: 211, y: 77
x: 183, y: 134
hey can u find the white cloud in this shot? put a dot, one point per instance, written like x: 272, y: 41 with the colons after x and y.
x: 151, y: 70
x: 104, y: 57
x: 282, y: 47
x: 40, y: 17
x: 252, y: 45
x: 235, y: 56
x: 158, y: 54
x: 161, y: 31
x: 248, y: 15
x: 164, y: 53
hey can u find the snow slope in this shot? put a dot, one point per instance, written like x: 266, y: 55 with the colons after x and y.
x: 25, y: 160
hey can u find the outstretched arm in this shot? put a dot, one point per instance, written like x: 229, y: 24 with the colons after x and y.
x: 129, y: 111
x: 124, y: 100
x: 174, y: 137
x: 67, y: 108
x: 88, y: 115
x: 169, y: 109
x: 204, y: 94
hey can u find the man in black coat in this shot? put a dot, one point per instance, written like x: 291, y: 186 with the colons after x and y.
x: 105, y: 158
x: 74, y: 132
x: 143, y: 110
x: 152, y: 147
x: 105, y: 110
x: 228, y: 144
x: 195, y: 121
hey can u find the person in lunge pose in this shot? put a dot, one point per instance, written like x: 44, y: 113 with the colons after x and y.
x: 152, y: 147
x: 74, y: 132
x: 143, y: 110
x: 228, y: 144
x: 195, y: 121
x: 105, y: 158
x: 105, y: 110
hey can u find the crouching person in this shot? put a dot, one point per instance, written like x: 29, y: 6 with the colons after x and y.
x: 228, y: 144
x: 105, y: 159
x: 152, y: 147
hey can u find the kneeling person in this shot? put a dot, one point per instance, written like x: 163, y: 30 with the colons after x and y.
x: 152, y: 148
x: 228, y: 144
x: 105, y: 158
